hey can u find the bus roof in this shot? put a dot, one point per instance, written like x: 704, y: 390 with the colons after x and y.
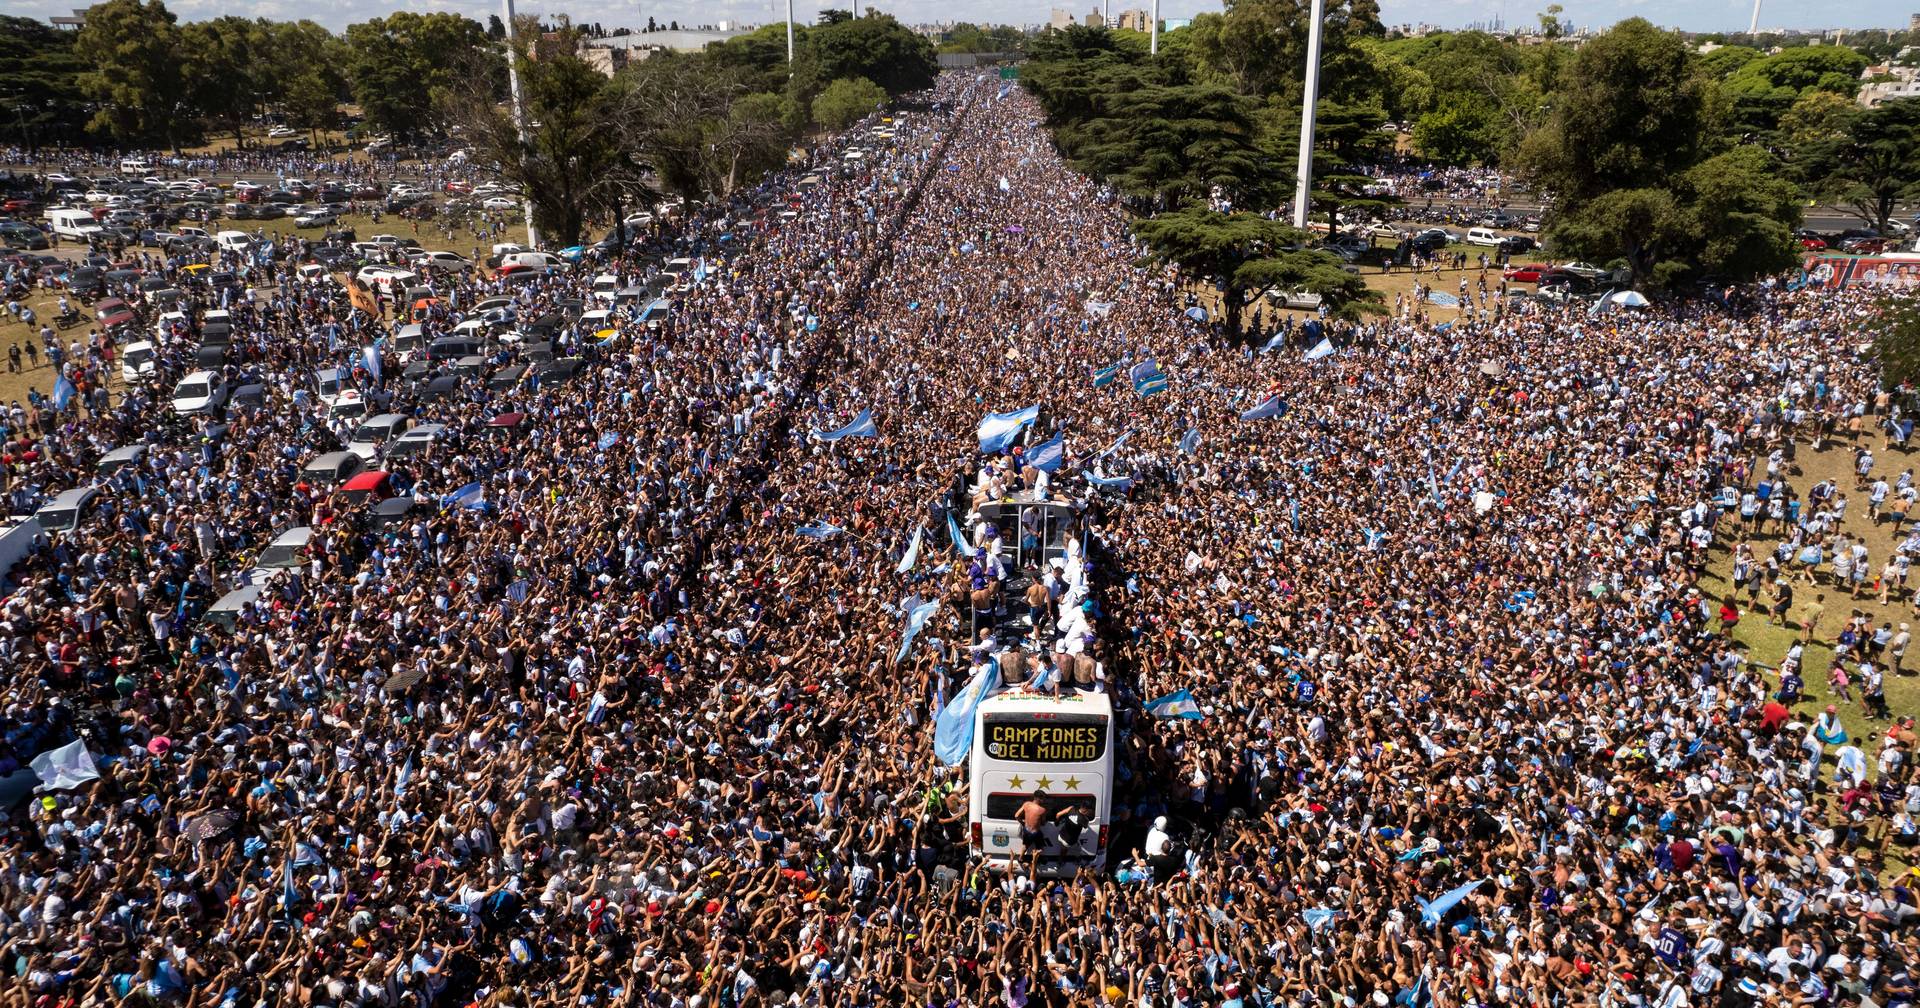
x: 1069, y: 702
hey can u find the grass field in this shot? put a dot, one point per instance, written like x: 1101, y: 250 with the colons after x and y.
x: 1767, y: 642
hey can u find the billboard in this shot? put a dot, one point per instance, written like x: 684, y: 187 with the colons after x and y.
x: 1894, y: 271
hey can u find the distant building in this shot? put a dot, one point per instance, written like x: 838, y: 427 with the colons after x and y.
x: 1904, y: 83
x: 1913, y: 23
x: 610, y: 61
x: 1060, y: 20
x: 1094, y: 20
x: 79, y: 17
x: 1134, y: 19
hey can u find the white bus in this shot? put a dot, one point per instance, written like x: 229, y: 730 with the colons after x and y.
x: 1058, y: 750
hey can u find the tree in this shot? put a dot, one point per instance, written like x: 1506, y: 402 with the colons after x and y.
x: 1896, y: 340
x: 1346, y: 137
x: 876, y: 47
x: 1460, y: 131
x: 133, y: 51
x: 847, y: 101
x: 1167, y: 145
x: 569, y: 164
x: 753, y: 138
x: 1868, y: 167
x: 226, y: 70
x: 1817, y: 118
x: 1241, y: 252
x: 41, y: 94
x: 760, y: 56
x: 666, y: 111
x: 1631, y: 114
x: 1724, y: 61
x: 308, y: 76
x: 497, y: 30
x: 1742, y: 210
x: 1551, y: 27
x: 1641, y: 226
x: 1730, y: 216
x: 397, y: 65
x: 1259, y: 47
x: 1797, y: 71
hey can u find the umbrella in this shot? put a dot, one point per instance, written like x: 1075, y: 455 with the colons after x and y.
x: 1492, y: 369
x: 403, y: 680
x: 1631, y: 299
x: 211, y: 824
x: 1197, y: 313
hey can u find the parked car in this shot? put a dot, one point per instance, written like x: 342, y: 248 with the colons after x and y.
x: 199, y: 392
x: 1528, y: 273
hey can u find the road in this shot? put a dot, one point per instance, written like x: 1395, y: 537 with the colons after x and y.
x: 1822, y: 219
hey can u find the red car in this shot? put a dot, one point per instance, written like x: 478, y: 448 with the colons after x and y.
x: 454, y: 186
x: 1812, y: 243
x: 1864, y: 246
x: 1529, y: 273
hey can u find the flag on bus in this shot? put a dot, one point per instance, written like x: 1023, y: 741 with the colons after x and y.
x: 953, y: 729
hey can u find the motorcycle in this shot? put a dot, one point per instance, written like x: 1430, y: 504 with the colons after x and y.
x: 70, y: 318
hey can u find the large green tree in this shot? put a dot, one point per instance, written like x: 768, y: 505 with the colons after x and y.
x: 1797, y: 71
x: 133, y: 52
x: 1896, y: 340
x: 1867, y: 164
x: 1244, y: 252
x: 847, y: 101
x: 1632, y: 113
x: 878, y: 48
x: 566, y: 160
x: 309, y: 77
x: 1165, y: 145
x: 399, y: 64
x: 1259, y: 48
x: 227, y: 71
x: 40, y: 96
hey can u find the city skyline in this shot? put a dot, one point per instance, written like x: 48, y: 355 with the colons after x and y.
x: 1688, y: 15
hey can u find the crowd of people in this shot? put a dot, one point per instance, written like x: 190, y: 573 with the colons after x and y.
x: 615, y: 717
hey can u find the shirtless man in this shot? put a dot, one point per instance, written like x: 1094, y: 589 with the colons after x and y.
x: 1033, y: 817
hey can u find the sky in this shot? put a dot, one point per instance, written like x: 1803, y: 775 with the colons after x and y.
x: 1692, y: 15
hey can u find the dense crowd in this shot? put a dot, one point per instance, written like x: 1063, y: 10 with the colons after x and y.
x: 633, y: 731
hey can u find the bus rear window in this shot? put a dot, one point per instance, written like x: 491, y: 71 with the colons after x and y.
x: 1006, y: 805
x: 1060, y: 738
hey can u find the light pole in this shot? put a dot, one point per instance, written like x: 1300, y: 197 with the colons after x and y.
x: 1308, y: 100
x: 1153, y: 31
x: 519, y: 121
x: 789, y: 32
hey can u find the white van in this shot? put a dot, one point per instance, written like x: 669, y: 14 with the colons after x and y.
x: 233, y: 241
x: 75, y: 224
x: 136, y: 168
x: 1483, y: 236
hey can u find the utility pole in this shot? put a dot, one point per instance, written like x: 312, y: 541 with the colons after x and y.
x: 1153, y: 31
x: 1753, y: 26
x: 1307, y: 102
x: 789, y: 32
x: 520, y: 120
